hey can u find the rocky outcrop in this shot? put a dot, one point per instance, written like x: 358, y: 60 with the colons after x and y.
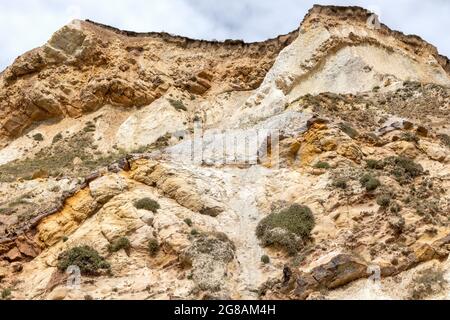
x: 167, y: 153
x: 174, y: 184
x: 85, y: 66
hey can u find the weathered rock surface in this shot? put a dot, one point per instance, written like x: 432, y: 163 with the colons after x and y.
x: 163, y: 154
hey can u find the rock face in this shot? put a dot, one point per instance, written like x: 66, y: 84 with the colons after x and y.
x: 163, y: 154
x: 85, y: 66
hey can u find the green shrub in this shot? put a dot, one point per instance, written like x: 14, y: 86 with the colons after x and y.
x: 57, y: 138
x: 404, y: 169
x: 427, y: 207
x: 427, y: 282
x: 322, y: 165
x: 177, y: 104
x: 445, y: 138
x: 6, y: 293
x: 374, y: 164
x: 188, y: 222
x: 340, y: 183
x: 296, y: 219
x: 147, y: 204
x: 90, y: 127
x: 153, y: 247
x: 38, y: 137
x: 194, y: 232
x: 86, y: 258
x: 286, y: 228
x: 119, y: 244
x: 395, y: 207
x: 384, y: 200
x: 410, y: 137
x: 369, y: 182
x: 349, y: 130
x: 265, y: 259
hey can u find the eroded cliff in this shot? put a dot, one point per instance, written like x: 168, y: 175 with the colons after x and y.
x: 314, y: 165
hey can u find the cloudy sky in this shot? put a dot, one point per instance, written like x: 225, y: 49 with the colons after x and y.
x: 26, y: 24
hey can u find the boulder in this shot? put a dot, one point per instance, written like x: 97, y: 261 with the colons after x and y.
x: 106, y: 187
x: 339, y: 271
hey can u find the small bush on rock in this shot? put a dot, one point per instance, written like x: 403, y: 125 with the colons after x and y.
x: 369, y: 182
x: 57, y: 138
x: 322, y: 165
x: 428, y: 282
x: 147, y: 204
x: 177, y: 104
x: 153, y: 247
x: 374, y: 164
x: 349, y: 130
x: 84, y: 257
x: 265, y: 259
x: 410, y: 137
x: 445, y: 139
x: 119, y: 244
x: 6, y: 294
x: 287, y: 228
x: 340, y: 183
x: 404, y: 169
x: 38, y: 137
x: 384, y: 200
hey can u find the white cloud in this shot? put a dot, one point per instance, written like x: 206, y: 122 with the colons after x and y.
x: 26, y: 24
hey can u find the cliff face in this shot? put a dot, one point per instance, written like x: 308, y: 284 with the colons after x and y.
x: 322, y: 161
x: 85, y: 66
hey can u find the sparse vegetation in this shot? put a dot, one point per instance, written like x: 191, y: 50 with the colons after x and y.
x: 395, y: 207
x: 445, y: 139
x: 410, y: 137
x: 265, y: 259
x: 6, y: 293
x: 188, y: 222
x: 427, y: 207
x: 322, y: 165
x: 404, y: 168
x: 349, y: 130
x: 177, y: 104
x: 57, y: 138
x: 153, y: 247
x: 374, y: 164
x: 428, y: 282
x: 194, y: 232
x: 57, y: 159
x: 340, y: 183
x: 90, y: 127
x: 119, y: 244
x: 84, y: 257
x: 369, y: 182
x: 287, y: 228
x: 147, y: 204
x: 384, y: 200
x: 38, y: 137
